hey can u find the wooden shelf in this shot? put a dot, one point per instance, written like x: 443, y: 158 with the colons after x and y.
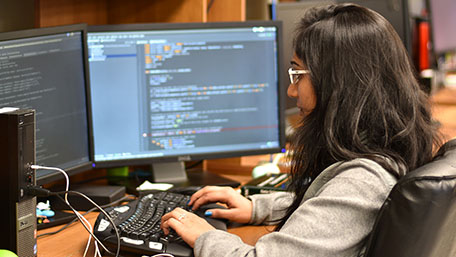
x: 98, y: 12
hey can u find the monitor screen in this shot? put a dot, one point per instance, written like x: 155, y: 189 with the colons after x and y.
x: 443, y: 20
x: 45, y: 69
x: 180, y: 92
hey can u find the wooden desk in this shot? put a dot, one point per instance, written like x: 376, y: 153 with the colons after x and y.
x: 73, y: 240
x: 444, y: 111
x: 70, y: 242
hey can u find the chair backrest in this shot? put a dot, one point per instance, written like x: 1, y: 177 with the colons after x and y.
x: 419, y: 216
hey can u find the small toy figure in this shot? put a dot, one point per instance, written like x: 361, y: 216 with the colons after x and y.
x: 43, y: 212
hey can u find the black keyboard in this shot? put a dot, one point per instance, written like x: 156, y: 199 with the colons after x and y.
x: 138, y: 223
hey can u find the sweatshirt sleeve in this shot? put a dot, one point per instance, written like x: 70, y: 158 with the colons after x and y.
x: 335, y: 222
x: 268, y: 208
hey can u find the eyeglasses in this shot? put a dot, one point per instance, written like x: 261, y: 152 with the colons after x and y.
x: 294, y: 74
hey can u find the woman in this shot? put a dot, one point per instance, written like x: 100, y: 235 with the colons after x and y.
x: 365, y: 124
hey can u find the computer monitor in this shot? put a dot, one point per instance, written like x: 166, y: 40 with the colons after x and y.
x: 163, y: 94
x: 46, y: 69
x: 443, y: 22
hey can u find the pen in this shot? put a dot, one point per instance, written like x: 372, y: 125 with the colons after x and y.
x: 282, y: 183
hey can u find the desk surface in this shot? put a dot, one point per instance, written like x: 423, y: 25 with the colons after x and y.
x: 444, y: 111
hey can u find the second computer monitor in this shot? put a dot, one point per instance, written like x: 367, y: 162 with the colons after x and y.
x: 178, y: 92
x: 45, y: 69
x: 443, y: 21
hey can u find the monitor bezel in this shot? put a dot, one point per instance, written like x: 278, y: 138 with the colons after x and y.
x: 208, y: 25
x: 46, y: 31
x: 431, y: 14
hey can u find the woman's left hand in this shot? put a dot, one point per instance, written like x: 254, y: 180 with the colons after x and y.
x: 186, y: 224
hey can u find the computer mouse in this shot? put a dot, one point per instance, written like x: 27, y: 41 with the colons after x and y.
x: 217, y: 223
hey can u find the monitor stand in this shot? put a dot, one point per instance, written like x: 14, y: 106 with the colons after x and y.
x: 169, y: 172
x: 175, y: 173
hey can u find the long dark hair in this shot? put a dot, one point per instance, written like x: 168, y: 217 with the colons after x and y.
x: 369, y: 103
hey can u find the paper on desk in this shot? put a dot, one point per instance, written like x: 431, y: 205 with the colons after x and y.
x: 146, y: 185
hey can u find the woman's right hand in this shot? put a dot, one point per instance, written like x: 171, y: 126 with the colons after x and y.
x: 239, y: 208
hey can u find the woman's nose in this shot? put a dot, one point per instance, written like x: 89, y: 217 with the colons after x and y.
x: 292, y: 91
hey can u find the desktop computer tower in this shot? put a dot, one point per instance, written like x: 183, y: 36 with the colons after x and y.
x: 17, y: 153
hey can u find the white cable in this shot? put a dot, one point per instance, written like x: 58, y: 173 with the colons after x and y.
x: 97, y: 250
x: 108, y: 217
x: 82, y: 218
x: 67, y: 179
x: 90, y: 236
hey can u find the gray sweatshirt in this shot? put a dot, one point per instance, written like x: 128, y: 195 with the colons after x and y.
x: 334, y: 219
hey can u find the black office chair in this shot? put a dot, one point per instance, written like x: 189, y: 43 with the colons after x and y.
x: 419, y: 217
